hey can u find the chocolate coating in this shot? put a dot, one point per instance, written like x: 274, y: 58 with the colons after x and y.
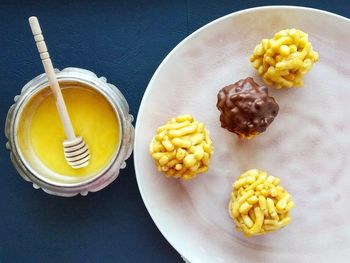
x: 246, y: 108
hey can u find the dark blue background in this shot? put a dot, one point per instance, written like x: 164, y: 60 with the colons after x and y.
x: 124, y: 41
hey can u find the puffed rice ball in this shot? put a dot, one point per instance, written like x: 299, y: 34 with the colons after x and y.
x: 182, y: 148
x: 259, y: 204
x: 283, y: 60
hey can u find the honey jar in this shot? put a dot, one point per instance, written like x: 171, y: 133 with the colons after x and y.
x: 99, y: 113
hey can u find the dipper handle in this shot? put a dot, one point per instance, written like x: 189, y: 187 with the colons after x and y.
x: 51, y: 75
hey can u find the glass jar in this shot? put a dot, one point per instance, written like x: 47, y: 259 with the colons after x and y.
x: 37, y: 173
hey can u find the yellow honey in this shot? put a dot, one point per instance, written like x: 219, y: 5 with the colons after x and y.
x: 93, y: 118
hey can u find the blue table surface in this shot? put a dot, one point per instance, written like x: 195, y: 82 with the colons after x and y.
x: 124, y: 41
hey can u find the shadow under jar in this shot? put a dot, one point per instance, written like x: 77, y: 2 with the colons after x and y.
x: 99, y: 113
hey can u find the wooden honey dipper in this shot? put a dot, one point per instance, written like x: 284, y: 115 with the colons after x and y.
x: 75, y: 149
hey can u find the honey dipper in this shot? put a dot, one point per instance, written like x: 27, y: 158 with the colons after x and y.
x: 75, y: 149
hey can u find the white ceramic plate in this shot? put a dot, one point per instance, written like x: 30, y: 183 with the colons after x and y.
x: 307, y: 145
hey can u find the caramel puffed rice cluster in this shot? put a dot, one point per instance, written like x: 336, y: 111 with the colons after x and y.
x: 283, y: 60
x: 259, y: 204
x: 182, y: 148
